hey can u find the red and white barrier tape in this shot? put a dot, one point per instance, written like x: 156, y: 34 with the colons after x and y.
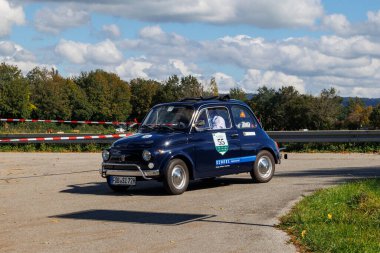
x: 62, y: 138
x: 70, y: 121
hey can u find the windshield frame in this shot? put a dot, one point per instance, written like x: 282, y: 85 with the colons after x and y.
x: 156, y: 127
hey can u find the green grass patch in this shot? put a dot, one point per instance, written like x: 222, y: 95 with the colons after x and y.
x: 39, y: 127
x: 50, y: 147
x: 344, y: 218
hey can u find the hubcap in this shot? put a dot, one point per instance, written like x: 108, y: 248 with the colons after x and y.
x: 178, y: 177
x: 265, y: 167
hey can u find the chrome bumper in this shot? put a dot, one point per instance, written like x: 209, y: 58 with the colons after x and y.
x: 146, y: 174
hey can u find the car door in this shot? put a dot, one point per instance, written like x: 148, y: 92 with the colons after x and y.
x: 246, y: 125
x: 216, y: 142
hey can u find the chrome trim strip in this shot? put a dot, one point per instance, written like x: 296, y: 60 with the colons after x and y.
x: 131, y: 173
x: 147, y: 174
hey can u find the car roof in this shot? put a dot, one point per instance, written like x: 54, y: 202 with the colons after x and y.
x: 198, y: 102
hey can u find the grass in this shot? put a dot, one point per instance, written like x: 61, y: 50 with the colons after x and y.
x: 44, y: 147
x: 345, y: 218
x: 39, y: 127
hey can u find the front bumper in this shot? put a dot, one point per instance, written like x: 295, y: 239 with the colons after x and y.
x: 132, y: 170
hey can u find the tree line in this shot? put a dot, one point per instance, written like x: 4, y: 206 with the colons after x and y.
x: 101, y: 95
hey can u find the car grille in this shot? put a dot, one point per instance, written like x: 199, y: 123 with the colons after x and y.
x: 125, y: 156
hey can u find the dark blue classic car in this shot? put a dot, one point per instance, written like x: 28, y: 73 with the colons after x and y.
x: 195, y: 138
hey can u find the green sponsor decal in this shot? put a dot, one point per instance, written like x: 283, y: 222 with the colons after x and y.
x: 221, y: 143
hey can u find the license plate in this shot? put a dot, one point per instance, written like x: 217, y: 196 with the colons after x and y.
x: 116, y: 180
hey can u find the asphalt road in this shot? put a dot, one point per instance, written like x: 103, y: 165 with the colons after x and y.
x: 52, y: 202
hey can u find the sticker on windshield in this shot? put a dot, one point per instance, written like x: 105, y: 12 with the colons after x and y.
x: 170, y: 108
x: 221, y: 143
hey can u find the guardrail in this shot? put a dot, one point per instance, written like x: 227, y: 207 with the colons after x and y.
x: 332, y: 136
x: 279, y: 136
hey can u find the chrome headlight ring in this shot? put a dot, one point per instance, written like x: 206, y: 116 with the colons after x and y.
x: 146, y: 155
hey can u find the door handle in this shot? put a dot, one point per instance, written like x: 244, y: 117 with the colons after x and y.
x: 234, y: 135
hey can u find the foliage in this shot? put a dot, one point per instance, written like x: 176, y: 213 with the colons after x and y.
x: 108, y: 96
x: 143, y: 92
x: 375, y: 117
x: 345, y: 218
x: 100, y: 95
x: 238, y: 93
x: 287, y: 109
x: 46, y: 147
x: 14, y: 93
x: 49, y: 96
x: 357, y: 114
x: 211, y: 89
x: 191, y: 87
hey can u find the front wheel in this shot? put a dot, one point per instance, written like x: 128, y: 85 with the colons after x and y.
x: 176, y: 177
x: 117, y: 188
x: 263, y: 168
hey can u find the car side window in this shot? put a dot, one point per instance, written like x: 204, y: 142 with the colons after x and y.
x: 202, y: 121
x: 243, y: 118
x: 213, y: 118
x: 219, y: 118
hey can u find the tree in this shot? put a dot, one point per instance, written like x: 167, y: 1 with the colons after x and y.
x: 143, y: 92
x: 14, y: 93
x: 169, y: 91
x: 375, y: 117
x: 80, y: 107
x: 108, y: 96
x: 191, y: 87
x: 238, y: 93
x: 326, y: 109
x: 49, y: 95
x: 357, y: 114
x: 265, y: 105
x: 212, y: 89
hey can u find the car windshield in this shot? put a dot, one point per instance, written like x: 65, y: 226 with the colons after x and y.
x: 169, y: 117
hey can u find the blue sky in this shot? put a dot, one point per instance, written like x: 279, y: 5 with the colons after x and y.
x: 310, y: 44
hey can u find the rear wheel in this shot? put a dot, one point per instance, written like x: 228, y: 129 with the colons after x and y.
x: 176, y: 177
x: 117, y: 188
x: 263, y: 168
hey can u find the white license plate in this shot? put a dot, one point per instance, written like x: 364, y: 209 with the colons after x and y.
x: 117, y: 180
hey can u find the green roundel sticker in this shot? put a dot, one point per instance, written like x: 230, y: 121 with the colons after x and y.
x: 221, y: 143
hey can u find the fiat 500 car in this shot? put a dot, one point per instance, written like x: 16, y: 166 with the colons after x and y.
x: 192, y: 139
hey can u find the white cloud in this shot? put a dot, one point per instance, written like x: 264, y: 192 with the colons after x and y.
x: 111, y: 31
x: 225, y: 82
x: 261, y: 13
x: 14, y: 54
x: 133, y: 68
x: 10, y: 15
x: 104, y: 52
x: 152, y: 69
x: 308, y: 64
x: 337, y: 23
x: 255, y: 79
x: 55, y: 20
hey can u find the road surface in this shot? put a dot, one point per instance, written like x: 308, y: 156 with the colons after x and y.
x: 57, y: 202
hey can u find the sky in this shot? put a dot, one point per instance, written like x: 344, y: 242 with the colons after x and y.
x: 309, y: 44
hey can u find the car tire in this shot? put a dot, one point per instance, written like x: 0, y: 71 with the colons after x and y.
x: 176, y: 178
x: 117, y: 188
x: 263, y: 168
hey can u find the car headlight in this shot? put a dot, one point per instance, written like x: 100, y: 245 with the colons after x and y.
x: 146, y: 155
x: 105, y: 155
